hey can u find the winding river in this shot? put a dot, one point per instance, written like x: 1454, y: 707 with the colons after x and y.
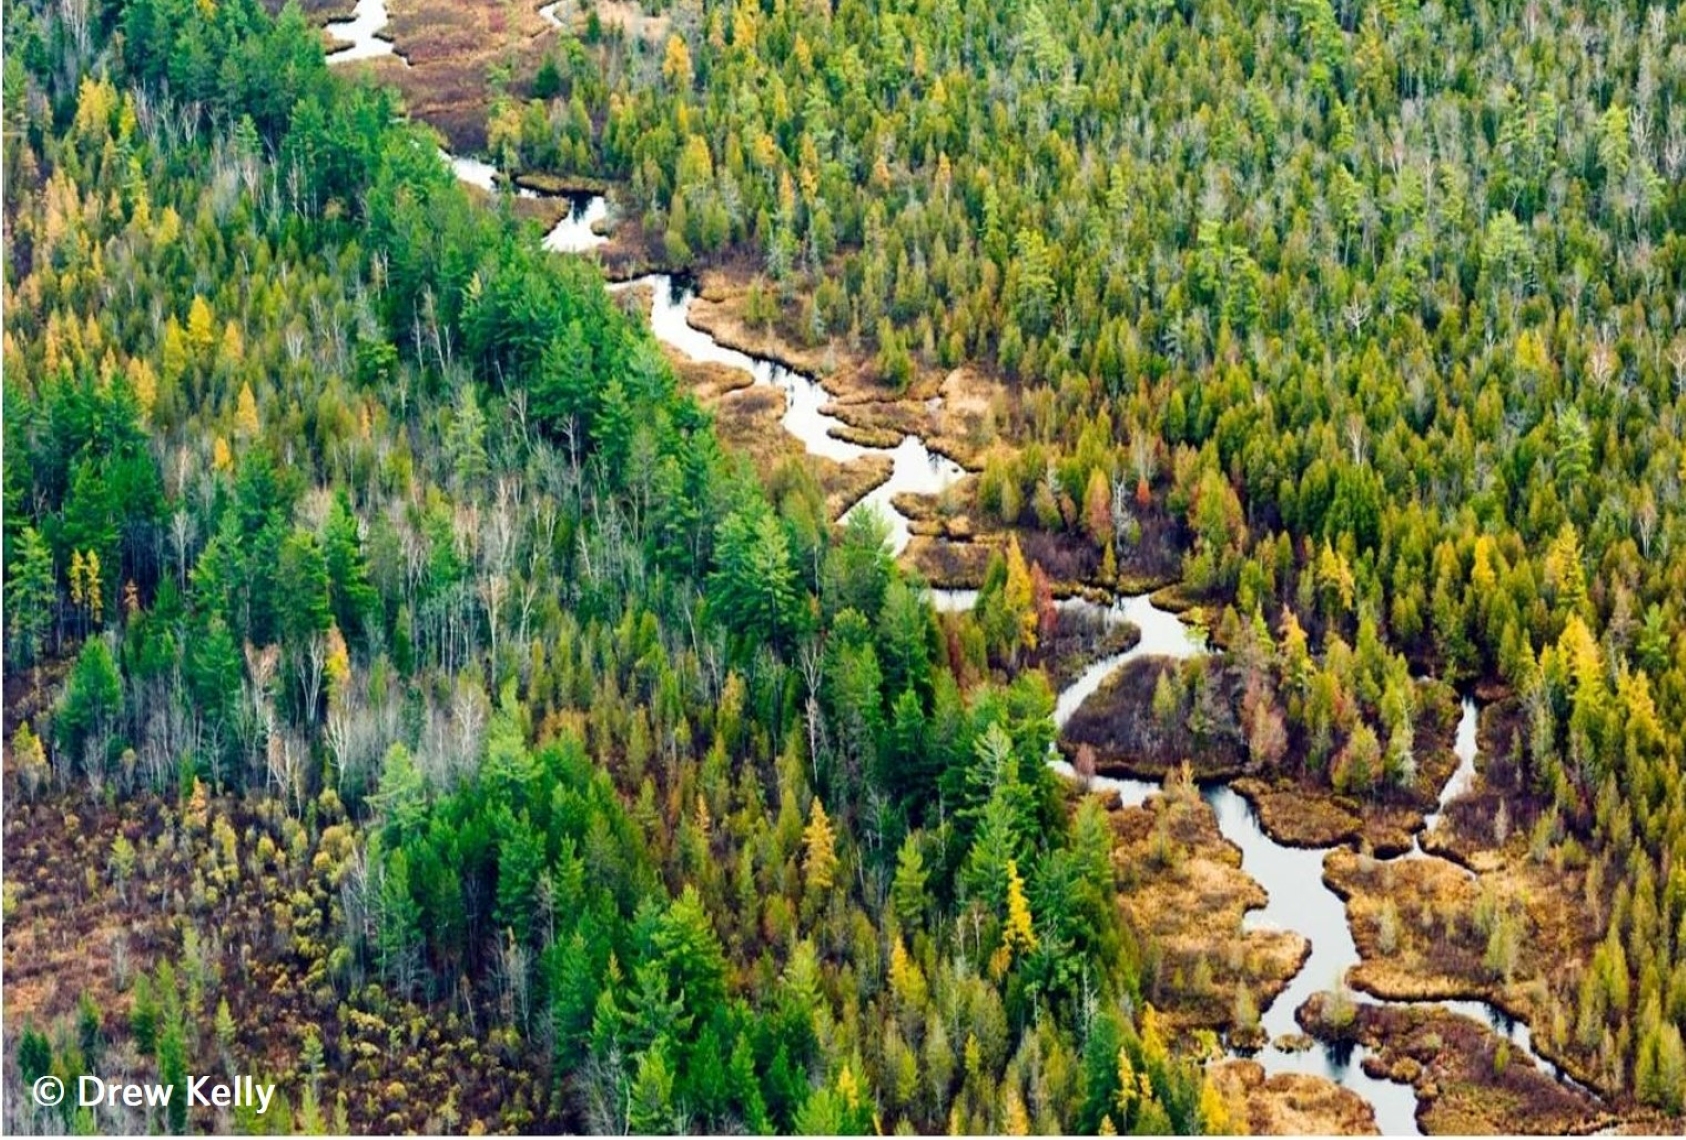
x: 1292, y: 877
x: 914, y: 466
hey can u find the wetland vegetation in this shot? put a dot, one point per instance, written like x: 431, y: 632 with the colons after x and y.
x: 482, y: 697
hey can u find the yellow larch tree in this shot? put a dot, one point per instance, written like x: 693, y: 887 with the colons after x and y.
x: 177, y: 355
x: 676, y: 64
x: 246, y: 413
x: 233, y: 349
x: 1127, y: 1087
x: 819, y: 840
x: 85, y: 589
x: 337, y: 667
x: 1020, y: 595
x: 1215, y: 1117
x: 1020, y: 934
x: 201, y: 327
x: 144, y: 383
x: 1018, y: 1120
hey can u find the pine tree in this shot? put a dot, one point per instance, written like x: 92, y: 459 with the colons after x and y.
x: 907, y: 889
x: 225, y: 1029
x: 31, y: 594
x: 650, y: 1107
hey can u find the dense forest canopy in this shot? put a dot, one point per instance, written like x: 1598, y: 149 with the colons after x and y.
x: 1384, y: 303
x: 422, y: 706
x: 479, y: 743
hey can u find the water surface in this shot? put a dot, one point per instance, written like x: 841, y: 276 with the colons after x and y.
x: 359, y: 33
x: 915, y: 467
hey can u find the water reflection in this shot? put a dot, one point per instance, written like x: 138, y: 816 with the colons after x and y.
x: 576, y: 232
x: 359, y: 32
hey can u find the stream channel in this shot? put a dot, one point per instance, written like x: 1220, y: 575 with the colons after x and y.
x: 1292, y: 877
x: 361, y: 34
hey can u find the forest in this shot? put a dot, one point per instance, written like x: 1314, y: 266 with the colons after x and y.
x: 410, y: 699
x: 1381, y: 306
x: 426, y: 712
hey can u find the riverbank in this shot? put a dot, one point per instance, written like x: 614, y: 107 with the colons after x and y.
x: 1125, y: 732
x: 1515, y: 935
x: 1183, y: 889
x: 444, y: 52
x: 749, y: 418
x: 1468, y: 1079
x: 955, y: 411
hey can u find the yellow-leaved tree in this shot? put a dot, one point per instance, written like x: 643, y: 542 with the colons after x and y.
x: 144, y: 382
x: 676, y: 64
x: 1020, y: 595
x: 1215, y: 1117
x: 176, y: 355
x: 201, y: 330
x: 1020, y: 934
x: 337, y: 667
x: 233, y: 348
x: 246, y: 413
x: 819, y: 841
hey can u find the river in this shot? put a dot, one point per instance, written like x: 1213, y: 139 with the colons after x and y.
x: 360, y: 33
x: 914, y: 466
x: 1292, y: 877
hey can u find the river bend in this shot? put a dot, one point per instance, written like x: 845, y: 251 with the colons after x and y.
x: 1292, y: 877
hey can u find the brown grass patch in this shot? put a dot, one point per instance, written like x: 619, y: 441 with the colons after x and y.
x: 266, y: 922
x: 546, y: 211
x: 1468, y: 1079
x: 1292, y: 1104
x: 880, y: 437
x: 560, y: 184
x: 1440, y: 949
x: 956, y: 565
x: 876, y: 414
x: 452, y: 47
x: 968, y: 419
x: 849, y: 376
x: 1298, y: 817
x: 963, y: 424
x: 1185, y: 893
